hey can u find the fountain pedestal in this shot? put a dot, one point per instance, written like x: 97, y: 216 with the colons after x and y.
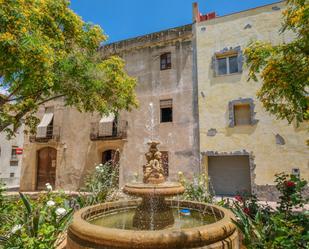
x: 153, y: 214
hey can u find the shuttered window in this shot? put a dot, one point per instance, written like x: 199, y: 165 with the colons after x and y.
x: 166, y: 109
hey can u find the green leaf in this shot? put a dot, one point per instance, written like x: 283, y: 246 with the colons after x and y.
x: 26, y: 203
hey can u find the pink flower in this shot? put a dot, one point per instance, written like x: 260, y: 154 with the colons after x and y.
x: 238, y: 198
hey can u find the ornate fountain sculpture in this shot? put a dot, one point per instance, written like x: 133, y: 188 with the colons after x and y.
x: 153, y: 170
x: 153, y: 222
x: 153, y: 191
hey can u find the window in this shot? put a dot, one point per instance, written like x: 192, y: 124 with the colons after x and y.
x: 227, y: 65
x: 164, y: 156
x: 242, y: 114
x: 165, y: 61
x: 228, y: 61
x: 12, y: 175
x: 166, y: 108
x: 13, y: 153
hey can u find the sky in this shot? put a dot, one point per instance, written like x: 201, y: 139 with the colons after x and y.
x: 123, y: 19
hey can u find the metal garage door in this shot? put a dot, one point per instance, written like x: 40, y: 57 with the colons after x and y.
x: 230, y: 175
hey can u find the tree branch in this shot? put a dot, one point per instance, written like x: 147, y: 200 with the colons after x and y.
x: 51, y: 98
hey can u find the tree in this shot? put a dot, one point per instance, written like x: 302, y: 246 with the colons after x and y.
x: 47, y: 52
x: 284, y: 68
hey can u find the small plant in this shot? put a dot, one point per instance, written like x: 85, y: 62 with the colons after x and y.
x: 100, y: 185
x: 196, y: 190
x: 290, y: 188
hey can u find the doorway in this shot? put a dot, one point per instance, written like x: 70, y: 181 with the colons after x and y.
x: 46, y: 168
x: 229, y: 175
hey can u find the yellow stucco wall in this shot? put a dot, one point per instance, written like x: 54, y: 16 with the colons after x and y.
x: 214, y: 94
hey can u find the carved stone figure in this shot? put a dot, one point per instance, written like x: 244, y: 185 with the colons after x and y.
x: 153, y: 169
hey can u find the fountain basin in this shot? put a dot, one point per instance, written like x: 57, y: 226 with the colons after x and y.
x: 146, y: 190
x: 220, y: 234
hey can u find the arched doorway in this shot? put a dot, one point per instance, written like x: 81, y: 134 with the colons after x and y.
x: 46, y: 168
x: 110, y: 158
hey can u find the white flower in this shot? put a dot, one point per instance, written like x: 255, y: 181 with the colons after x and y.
x: 97, y: 168
x: 60, y: 211
x: 16, y: 228
x: 100, y: 164
x: 49, y: 187
x: 50, y: 203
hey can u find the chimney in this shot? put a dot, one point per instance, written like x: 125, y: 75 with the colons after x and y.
x: 196, y: 13
x: 198, y: 17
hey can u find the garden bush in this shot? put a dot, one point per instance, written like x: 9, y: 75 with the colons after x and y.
x: 196, y: 190
x: 100, y: 185
x: 284, y: 227
x: 35, y: 223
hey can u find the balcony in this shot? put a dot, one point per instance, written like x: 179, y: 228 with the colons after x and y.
x: 52, y: 134
x: 109, y: 131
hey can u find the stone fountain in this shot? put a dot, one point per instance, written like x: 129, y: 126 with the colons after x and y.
x: 152, y: 222
x: 153, y: 191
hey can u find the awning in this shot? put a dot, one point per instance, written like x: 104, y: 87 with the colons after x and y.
x: 41, y: 130
x: 108, y: 119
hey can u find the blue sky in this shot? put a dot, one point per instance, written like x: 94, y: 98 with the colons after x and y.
x: 122, y: 19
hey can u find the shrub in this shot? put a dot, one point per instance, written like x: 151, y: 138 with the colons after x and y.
x: 100, y: 185
x: 282, y: 228
x: 196, y: 190
x: 37, y: 223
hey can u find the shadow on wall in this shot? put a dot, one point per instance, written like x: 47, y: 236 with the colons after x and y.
x: 244, y: 129
x: 223, y: 79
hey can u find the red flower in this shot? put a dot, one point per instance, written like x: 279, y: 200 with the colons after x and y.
x: 246, y: 210
x: 238, y: 198
x: 290, y: 184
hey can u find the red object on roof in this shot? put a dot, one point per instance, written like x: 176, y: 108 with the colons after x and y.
x: 19, y: 151
x: 207, y: 16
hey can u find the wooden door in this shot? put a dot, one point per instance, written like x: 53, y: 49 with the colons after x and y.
x: 46, y: 169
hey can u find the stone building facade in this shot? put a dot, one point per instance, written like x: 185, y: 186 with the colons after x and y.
x: 242, y: 146
x: 69, y: 143
x: 194, y: 98
x: 10, y: 159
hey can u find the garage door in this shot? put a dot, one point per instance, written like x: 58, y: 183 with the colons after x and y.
x: 229, y: 175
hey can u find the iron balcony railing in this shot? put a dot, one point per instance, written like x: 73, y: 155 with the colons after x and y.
x: 52, y: 133
x: 109, y: 130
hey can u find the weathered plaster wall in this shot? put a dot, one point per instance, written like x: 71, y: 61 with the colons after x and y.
x: 5, y: 157
x: 142, y: 58
x: 215, y: 93
x: 77, y: 154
